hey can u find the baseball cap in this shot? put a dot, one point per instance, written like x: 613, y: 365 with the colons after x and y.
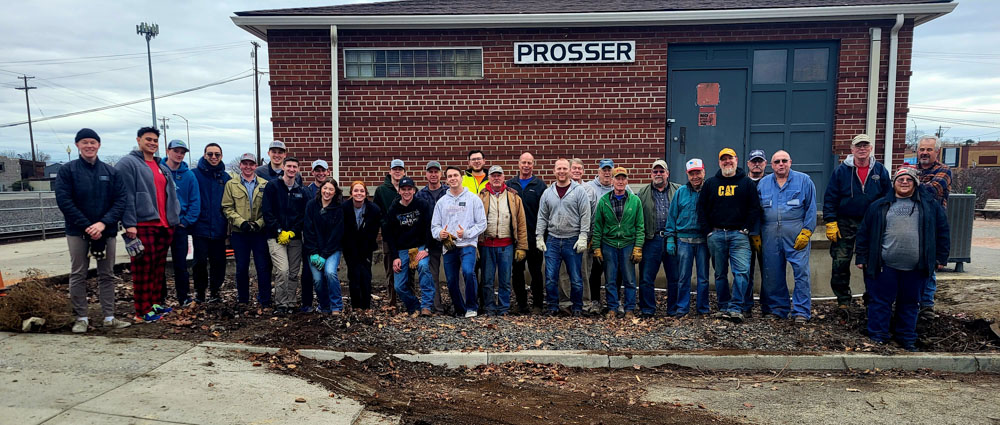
x: 905, y: 171
x: 660, y: 163
x: 727, y: 151
x: 176, y: 143
x: 860, y: 139
x: 606, y: 163
x: 619, y: 171
x: 432, y: 164
x: 406, y: 181
x: 320, y: 163
x: 694, y: 164
x: 248, y: 157
x: 396, y: 163
x: 496, y: 169
x: 277, y: 144
x: 757, y: 153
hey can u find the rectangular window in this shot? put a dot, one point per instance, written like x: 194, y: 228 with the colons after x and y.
x: 950, y: 157
x: 413, y: 63
x: 769, y: 66
x: 810, y: 65
x: 988, y: 160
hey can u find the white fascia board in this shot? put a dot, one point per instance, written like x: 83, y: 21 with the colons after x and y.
x: 258, y: 25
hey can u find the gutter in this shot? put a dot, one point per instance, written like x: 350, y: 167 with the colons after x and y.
x: 334, y: 107
x: 259, y: 24
x: 874, y: 62
x: 890, y: 98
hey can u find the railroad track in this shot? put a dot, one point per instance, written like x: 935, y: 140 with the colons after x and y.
x: 24, y: 235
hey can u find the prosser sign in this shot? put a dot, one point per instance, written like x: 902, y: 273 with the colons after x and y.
x: 564, y: 52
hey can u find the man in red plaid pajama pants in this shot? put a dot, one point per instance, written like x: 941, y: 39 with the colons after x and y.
x: 151, y: 211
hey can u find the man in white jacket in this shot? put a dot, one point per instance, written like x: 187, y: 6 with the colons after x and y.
x: 565, y: 213
x: 459, y: 218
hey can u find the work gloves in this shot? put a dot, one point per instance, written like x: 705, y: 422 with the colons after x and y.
x: 412, y: 255
x: 540, y: 243
x: 520, y: 255
x: 249, y: 226
x: 755, y: 242
x: 802, y: 240
x: 317, y: 261
x: 636, y: 255
x: 580, y: 246
x: 832, y: 231
x: 671, y: 246
x: 133, y: 246
x: 285, y: 236
x: 449, y: 242
x: 598, y: 256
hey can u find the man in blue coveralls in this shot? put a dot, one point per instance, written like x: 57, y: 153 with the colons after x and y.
x: 788, y: 200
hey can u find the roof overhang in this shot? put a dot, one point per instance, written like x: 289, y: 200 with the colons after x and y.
x: 921, y: 13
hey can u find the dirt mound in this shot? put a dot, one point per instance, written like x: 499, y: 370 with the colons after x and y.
x: 34, y: 298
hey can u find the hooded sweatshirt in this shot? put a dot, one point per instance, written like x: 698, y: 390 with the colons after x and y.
x: 141, y: 194
x: 566, y: 217
x: 465, y: 210
x: 729, y: 203
x: 187, y: 192
x: 211, y: 183
x: 406, y: 226
x: 849, y: 197
x: 385, y: 195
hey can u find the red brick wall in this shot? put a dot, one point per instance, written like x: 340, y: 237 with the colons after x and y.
x: 586, y: 111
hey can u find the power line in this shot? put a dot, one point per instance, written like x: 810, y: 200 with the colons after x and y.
x: 956, y: 109
x: 956, y: 121
x: 101, y: 58
x: 102, y: 108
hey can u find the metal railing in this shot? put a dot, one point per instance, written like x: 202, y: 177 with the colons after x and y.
x: 25, y: 212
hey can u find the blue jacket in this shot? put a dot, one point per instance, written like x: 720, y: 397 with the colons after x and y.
x: 682, y: 218
x: 284, y: 208
x: 211, y: 184
x: 847, y: 197
x: 935, y: 242
x: 187, y: 193
x: 87, y: 193
x: 431, y: 200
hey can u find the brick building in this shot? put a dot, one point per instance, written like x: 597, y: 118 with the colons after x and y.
x: 629, y: 80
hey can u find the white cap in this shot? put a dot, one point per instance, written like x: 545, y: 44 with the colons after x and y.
x: 694, y: 164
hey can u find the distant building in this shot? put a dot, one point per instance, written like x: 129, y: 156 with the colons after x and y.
x: 13, y: 170
x: 52, y: 170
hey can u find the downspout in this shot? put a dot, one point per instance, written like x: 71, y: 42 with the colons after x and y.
x: 890, y: 98
x: 334, y: 106
x: 874, y: 63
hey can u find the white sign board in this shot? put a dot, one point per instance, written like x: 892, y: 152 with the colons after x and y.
x: 566, y: 52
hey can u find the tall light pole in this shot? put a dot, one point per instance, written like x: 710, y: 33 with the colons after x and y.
x: 149, y: 31
x: 188, y: 129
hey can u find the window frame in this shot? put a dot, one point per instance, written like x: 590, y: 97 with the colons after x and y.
x: 482, y: 68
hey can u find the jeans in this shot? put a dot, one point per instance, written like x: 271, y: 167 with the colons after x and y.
x: 209, y: 266
x: 929, y: 289
x: 756, y: 260
x: 497, y: 263
x: 894, y: 286
x: 561, y: 250
x: 178, y: 254
x: 687, y: 255
x: 401, y: 280
x: 244, y: 244
x: 460, y: 262
x: 619, y: 271
x: 730, y: 248
x: 328, y: 284
x: 654, y: 255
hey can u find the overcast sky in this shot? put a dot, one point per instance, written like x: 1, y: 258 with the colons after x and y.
x: 954, y: 72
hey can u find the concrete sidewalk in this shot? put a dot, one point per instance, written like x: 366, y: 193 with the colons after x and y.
x: 70, y: 379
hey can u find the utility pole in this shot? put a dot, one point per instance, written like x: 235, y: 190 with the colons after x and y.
x: 164, y: 135
x: 187, y: 128
x: 256, y: 98
x: 149, y: 31
x: 31, y: 132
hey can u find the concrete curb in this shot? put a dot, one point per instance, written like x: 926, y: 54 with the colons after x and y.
x: 958, y: 363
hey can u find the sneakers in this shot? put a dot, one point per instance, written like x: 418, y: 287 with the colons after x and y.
x: 79, y: 326
x: 577, y: 313
x: 537, y: 311
x: 214, y: 300
x: 471, y: 313
x: 629, y: 315
x: 116, y: 324
x: 426, y: 312
x: 927, y: 313
x: 843, y: 313
x: 720, y: 315
x: 610, y: 314
x: 147, y: 318
x: 189, y: 302
x: 161, y: 310
x: 800, y: 320
x: 735, y: 317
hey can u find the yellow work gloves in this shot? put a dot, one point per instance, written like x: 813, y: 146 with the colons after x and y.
x: 637, y: 254
x: 598, y: 256
x: 520, y: 255
x: 285, y: 236
x: 755, y: 242
x: 802, y: 240
x: 832, y: 231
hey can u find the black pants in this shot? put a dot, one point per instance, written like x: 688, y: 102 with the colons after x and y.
x: 359, y: 279
x: 209, y: 253
x: 178, y: 254
x: 596, y: 272
x: 307, y: 283
x: 534, y: 263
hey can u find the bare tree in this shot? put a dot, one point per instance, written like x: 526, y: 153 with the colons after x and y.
x: 912, y: 137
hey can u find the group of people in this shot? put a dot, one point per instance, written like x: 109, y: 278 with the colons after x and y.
x: 489, y: 228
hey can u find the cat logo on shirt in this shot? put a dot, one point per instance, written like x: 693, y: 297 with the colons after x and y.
x: 727, y: 190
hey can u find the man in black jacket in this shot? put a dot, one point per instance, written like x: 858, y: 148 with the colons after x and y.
x: 530, y: 188
x: 903, y: 238
x: 406, y: 231
x: 728, y: 210
x: 91, y: 196
x: 284, y: 210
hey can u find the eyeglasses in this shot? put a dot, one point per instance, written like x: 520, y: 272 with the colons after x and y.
x: 213, y: 154
x: 781, y: 161
x: 863, y: 145
x: 659, y: 171
x: 905, y: 179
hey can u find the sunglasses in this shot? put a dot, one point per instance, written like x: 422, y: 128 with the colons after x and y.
x: 659, y: 171
x: 213, y: 154
x: 781, y: 161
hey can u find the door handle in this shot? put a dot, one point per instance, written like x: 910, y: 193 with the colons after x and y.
x: 683, y: 139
